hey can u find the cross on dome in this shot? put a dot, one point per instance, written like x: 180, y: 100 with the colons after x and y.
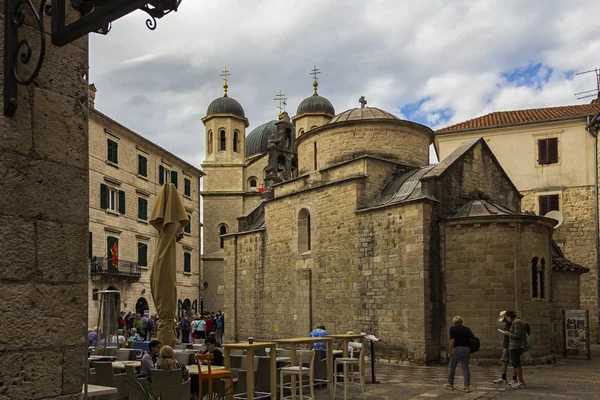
x: 362, y: 101
x: 225, y: 74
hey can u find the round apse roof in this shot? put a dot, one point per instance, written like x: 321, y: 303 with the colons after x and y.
x: 355, y: 114
x: 258, y: 140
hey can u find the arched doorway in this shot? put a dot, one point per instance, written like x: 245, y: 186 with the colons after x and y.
x: 187, y: 306
x: 141, y: 305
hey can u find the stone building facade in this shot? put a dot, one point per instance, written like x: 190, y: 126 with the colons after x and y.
x: 550, y: 156
x: 44, y: 225
x: 368, y: 236
x: 125, y: 176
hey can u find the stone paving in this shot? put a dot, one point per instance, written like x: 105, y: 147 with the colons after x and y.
x: 567, y: 379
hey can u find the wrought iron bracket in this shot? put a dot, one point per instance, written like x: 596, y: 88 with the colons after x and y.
x: 96, y: 16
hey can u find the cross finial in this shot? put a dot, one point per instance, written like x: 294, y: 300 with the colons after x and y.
x: 362, y: 101
x: 314, y: 72
x: 225, y: 74
x: 281, y: 97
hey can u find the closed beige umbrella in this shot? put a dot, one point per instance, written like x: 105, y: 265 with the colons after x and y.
x: 169, y: 218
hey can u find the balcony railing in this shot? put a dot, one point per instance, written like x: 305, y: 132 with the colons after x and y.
x: 130, y: 269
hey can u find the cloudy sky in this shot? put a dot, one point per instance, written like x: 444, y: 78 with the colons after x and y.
x: 434, y: 62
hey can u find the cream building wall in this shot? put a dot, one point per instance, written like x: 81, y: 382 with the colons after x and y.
x: 571, y: 178
x: 134, y: 283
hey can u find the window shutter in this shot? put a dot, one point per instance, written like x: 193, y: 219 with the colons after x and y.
x: 187, y: 188
x: 553, y: 150
x: 542, y: 151
x: 187, y: 262
x: 161, y: 175
x: 553, y: 202
x: 140, y: 208
x: 174, y: 178
x: 116, y: 152
x: 543, y: 205
x: 121, y: 202
x: 142, y: 165
x: 188, y: 227
x: 109, y: 149
x: 103, y: 196
x: 142, y: 254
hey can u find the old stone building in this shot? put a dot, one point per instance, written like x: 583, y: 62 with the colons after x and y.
x: 550, y: 156
x: 126, y: 174
x: 359, y: 232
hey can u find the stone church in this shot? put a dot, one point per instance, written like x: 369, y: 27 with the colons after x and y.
x: 340, y: 220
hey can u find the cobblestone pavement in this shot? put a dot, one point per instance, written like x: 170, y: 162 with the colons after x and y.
x: 567, y: 379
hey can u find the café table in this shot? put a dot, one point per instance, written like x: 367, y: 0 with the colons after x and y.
x: 249, y: 348
x: 121, y: 364
x: 96, y: 390
x: 293, y: 342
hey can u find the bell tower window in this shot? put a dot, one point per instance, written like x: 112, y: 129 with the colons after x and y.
x: 222, y: 231
x: 222, y: 141
x: 304, y: 231
x: 209, y: 146
x: 236, y: 141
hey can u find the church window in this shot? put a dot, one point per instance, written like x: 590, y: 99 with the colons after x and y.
x: 236, y: 144
x: 222, y: 231
x: 222, y: 141
x: 534, y: 277
x: 252, y: 183
x: 304, y: 232
x: 294, y: 168
x: 542, y: 271
x: 548, y: 151
x: 209, y: 150
x: 548, y: 203
x: 315, y: 155
x: 300, y: 132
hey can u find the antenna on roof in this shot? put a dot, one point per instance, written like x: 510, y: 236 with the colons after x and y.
x: 597, y: 90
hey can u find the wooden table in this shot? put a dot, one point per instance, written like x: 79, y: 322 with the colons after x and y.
x: 293, y: 342
x: 250, y: 364
x: 193, y: 369
x: 95, y: 390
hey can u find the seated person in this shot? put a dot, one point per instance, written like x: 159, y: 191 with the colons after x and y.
x: 211, y: 347
x: 135, y: 337
x: 118, y: 338
x: 150, y: 359
x: 214, y: 335
x: 319, y: 332
x: 167, y: 361
x: 92, y: 335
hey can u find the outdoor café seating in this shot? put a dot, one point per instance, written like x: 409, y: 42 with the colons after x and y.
x: 349, y: 373
x: 303, y: 368
x: 211, y: 375
x: 106, y: 377
x: 168, y: 383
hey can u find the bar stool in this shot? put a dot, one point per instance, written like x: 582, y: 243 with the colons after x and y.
x: 303, y: 357
x: 349, y: 363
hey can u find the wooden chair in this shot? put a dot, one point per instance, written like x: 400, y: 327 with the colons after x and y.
x: 211, y: 375
x: 349, y: 363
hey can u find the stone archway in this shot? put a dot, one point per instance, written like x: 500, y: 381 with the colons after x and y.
x: 141, y: 305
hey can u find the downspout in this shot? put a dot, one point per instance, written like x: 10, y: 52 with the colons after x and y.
x: 595, y: 135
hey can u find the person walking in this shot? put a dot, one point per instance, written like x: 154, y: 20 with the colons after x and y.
x: 185, y: 329
x: 517, y: 345
x: 505, y: 358
x: 201, y: 328
x: 219, y: 327
x: 459, y: 350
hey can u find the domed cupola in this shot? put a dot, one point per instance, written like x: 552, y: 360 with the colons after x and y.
x: 258, y: 140
x: 225, y: 105
x: 314, y: 111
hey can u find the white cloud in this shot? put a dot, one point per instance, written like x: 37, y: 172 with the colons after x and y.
x: 452, y: 57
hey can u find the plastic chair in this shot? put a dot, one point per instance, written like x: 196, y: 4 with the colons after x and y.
x: 106, y: 377
x: 350, y: 363
x: 211, y: 375
x: 184, y: 358
x: 303, y: 357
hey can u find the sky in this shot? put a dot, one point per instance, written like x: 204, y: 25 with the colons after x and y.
x: 432, y: 62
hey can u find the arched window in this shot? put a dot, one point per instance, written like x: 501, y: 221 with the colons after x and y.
x: 534, y: 277
x: 288, y: 138
x: 300, y: 132
x: 252, y: 183
x: 542, y: 270
x: 236, y: 144
x: 304, y: 232
x: 209, y: 146
x: 280, y: 163
x: 222, y: 231
x: 222, y: 141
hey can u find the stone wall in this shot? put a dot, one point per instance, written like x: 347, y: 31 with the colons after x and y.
x: 393, y: 140
x: 576, y: 237
x: 44, y: 225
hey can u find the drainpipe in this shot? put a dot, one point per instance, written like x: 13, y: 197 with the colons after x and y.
x: 595, y: 135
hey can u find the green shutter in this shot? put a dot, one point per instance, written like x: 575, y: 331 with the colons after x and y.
x: 109, y: 151
x: 142, y: 165
x: 90, y: 245
x: 161, y: 175
x: 142, y: 209
x: 142, y: 254
x: 174, y: 178
x: 121, y: 202
x: 187, y: 188
x: 103, y: 196
x: 188, y: 227
x: 112, y: 151
x: 187, y: 262
x: 116, y: 152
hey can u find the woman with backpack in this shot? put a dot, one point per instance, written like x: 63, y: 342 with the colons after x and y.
x: 459, y: 349
x: 517, y: 345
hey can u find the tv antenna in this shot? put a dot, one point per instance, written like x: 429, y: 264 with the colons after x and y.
x: 596, y: 91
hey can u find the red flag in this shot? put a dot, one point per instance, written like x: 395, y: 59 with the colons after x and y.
x: 114, y: 252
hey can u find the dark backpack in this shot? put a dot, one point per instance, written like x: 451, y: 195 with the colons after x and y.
x: 474, y: 344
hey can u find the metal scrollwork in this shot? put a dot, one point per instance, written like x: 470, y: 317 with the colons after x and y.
x: 16, y: 50
x: 150, y: 22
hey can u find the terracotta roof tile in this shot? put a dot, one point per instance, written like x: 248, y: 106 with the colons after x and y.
x: 501, y: 118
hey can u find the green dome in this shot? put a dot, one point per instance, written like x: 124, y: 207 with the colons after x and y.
x: 225, y: 105
x: 315, y: 104
x: 258, y: 140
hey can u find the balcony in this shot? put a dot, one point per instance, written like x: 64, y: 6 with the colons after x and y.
x: 127, y: 269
